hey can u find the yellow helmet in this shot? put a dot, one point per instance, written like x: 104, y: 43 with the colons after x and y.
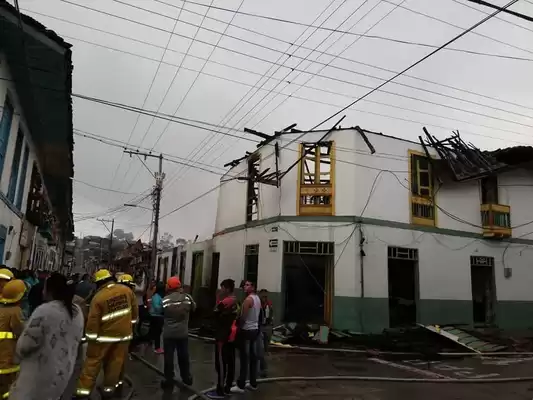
x: 13, y: 291
x: 101, y: 274
x: 125, y: 278
x: 6, y: 274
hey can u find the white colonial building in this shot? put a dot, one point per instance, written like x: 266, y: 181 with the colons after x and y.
x: 35, y: 143
x: 366, y: 232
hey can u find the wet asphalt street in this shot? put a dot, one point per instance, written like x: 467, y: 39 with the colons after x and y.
x: 290, y: 363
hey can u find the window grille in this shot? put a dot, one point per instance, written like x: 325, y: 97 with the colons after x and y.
x: 319, y: 248
x: 402, y: 253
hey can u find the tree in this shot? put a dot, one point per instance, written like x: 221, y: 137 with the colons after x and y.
x: 181, y: 242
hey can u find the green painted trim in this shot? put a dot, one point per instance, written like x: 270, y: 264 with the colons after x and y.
x: 367, y: 221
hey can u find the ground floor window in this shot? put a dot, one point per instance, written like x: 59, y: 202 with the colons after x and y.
x: 251, y: 263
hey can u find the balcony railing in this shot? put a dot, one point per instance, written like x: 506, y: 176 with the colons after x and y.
x: 422, y: 211
x: 496, y: 220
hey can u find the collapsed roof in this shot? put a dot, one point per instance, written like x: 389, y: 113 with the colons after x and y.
x: 464, y: 161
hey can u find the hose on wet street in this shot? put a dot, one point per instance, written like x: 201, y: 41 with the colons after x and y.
x: 130, y: 393
x: 379, y: 379
x: 197, y: 393
x: 201, y: 394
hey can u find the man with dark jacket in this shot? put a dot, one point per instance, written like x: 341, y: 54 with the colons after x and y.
x: 225, y: 317
x: 177, y: 307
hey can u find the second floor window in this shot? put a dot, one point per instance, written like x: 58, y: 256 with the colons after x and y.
x: 422, y: 199
x: 489, y: 190
x: 252, y: 191
x: 317, y: 179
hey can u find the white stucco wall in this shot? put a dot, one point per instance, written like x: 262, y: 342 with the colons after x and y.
x: 383, y: 177
x: 444, y: 261
x: 7, y: 216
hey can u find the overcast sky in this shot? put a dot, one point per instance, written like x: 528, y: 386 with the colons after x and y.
x: 124, y: 71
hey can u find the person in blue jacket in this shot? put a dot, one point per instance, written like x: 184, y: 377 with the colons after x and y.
x: 156, y: 317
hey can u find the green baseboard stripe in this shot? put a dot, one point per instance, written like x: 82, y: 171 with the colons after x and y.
x: 371, y: 315
x: 514, y: 315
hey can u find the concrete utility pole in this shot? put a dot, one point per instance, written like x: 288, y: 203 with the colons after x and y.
x: 110, y: 237
x: 159, y: 176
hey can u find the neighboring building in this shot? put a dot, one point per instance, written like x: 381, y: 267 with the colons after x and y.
x: 367, y: 233
x: 135, y: 259
x: 196, y: 265
x: 36, y: 143
x: 167, y: 263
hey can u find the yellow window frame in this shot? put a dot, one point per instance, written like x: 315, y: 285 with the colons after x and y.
x: 417, y: 198
x: 316, y: 187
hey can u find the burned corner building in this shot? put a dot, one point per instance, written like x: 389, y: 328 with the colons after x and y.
x: 363, y: 231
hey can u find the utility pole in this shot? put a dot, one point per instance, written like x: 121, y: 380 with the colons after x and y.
x: 159, y: 176
x: 112, y: 221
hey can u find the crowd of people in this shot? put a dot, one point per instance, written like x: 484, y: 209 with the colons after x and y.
x: 57, y: 332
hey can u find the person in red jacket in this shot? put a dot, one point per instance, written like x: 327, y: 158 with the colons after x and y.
x: 225, y: 317
x: 266, y: 325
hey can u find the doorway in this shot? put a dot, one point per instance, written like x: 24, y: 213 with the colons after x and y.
x: 213, y: 285
x: 403, y: 286
x: 196, y: 272
x: 483, y: 289
x: 183, y: 259
x: 308, y: 282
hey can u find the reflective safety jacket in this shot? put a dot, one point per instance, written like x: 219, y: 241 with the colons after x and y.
x: 11, y: 327
x: 112, y: 313
x: 176, y: 308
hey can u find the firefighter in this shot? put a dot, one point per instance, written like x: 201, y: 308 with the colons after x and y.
x: 5, y: 276
x: 11, y: 327
x: 127, y: 280
x: 108, y: 333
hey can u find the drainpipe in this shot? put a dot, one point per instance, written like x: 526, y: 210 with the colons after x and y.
x: 362, y: 274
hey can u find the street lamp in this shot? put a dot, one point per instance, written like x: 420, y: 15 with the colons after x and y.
x: 137, y: 206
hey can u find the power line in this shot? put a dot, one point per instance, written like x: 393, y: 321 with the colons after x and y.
x: 149, y: 112
x: 131, y: 108
x: 486, y: 13
x: 236, y: 108
x: 146, y: 99
x: 325, y: 28
x: 201, y: 69
x: 114, y: 142
x: 169, y: 87
x: 295, y: 56
x: 461, y: 28
x: 369, y: 87
x: 305, y: 69
x: 100, y: 188
x: 514, y: 13
x: 344, y: 81
x: 235, y: 113
x: 415, y: 63
x: 120, y: 146
x: 329, y: 62
x: 287, y: 42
